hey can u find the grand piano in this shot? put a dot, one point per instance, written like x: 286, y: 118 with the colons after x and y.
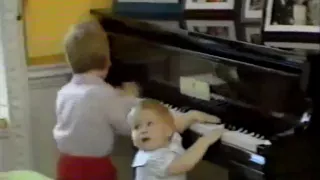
x: 261, y: 94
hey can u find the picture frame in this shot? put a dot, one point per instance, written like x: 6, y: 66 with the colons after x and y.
x: 252, y: 34
x: 209, y: 4
x: 252, y: 10
x: 219, y: 28
x: 280, y: 16
x: 290, y: 25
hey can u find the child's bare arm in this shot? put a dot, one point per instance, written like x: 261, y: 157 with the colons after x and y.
x: 194, y: 154
x: 129, y: 89
x: 184, y: 120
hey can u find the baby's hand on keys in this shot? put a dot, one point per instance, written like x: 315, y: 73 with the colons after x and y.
x: 201, y: 117
x: 130, y: 89
x: 213, y: 136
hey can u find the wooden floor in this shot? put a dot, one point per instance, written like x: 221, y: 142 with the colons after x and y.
x: 123, y: 155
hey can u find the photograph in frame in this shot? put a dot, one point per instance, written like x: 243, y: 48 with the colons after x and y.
x: 209, y: 4
x: 292, y: 16
x: 253, y: 35
x: 217, y: 28
x: 252, y: 10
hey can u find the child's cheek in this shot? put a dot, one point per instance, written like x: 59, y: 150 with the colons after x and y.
x: 134, y: 136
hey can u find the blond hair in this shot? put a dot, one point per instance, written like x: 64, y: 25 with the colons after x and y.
x: 159, y: 109
x: 86, y: 47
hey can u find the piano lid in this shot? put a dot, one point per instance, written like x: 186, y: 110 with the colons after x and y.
x: 240, y: 73
x: 227, y: 50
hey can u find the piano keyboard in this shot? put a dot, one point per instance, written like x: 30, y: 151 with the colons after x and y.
x: 237, y: 137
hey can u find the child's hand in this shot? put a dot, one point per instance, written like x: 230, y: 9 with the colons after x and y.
x: 130, y: 89
x: 213, y: 136
x: 201, y: 117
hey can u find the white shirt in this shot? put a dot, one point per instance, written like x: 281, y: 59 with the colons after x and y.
x: 89, y: 114
x: 152, y: 165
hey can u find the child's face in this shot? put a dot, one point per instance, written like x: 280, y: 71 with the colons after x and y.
x: 149, y: 132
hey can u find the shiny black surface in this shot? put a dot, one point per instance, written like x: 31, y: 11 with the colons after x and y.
x: 263, y: 89
x: 167, y: 56
x: 244, y: 52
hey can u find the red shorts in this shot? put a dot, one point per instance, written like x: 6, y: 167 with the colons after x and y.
x: 85, y: 168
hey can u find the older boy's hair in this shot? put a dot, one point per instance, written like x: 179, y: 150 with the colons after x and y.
x: 160, y: 110
x: 86, y: 47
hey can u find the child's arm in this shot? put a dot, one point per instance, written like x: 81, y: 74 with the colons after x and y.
x: 184, y: 120
x: 194, y: 154
x: 129, y: 89
x: 168, y: 163
x: 119, y: 106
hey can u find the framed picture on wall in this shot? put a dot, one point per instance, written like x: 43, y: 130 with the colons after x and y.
x: 292, y: 24
x: 292, y: 16
x: 252, y: 10
x: 253, y: 34
x: 218, y: 28
x: 209, y: 4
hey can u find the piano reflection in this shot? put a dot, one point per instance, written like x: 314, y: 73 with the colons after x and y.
x: 255, y: 90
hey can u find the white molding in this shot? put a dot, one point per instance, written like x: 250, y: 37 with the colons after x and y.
x: 229, y: 5
x: 291, y: 45
x: 17, y: 154
x: 44, y: 71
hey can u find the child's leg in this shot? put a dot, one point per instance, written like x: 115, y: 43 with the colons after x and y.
x: 85, y: 168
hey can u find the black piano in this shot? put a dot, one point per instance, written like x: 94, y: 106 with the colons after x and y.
x: 261, y: 94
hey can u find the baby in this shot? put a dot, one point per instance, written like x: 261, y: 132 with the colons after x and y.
x: 161, y: 155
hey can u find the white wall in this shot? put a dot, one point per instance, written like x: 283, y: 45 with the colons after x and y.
x: 42, y: 99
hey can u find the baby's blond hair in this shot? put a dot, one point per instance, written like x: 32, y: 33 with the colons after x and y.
x: 86, y: 47
x: 159, y: 109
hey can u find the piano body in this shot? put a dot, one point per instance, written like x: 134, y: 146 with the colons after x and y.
x: 256, y: 91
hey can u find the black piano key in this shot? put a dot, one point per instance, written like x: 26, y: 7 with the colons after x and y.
x: 185, y: 109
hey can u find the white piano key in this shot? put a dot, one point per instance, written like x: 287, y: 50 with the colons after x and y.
x: 244, y: 141
x: 234, y: 136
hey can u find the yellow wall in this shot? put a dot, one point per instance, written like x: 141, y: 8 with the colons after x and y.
x: 48, y: 20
